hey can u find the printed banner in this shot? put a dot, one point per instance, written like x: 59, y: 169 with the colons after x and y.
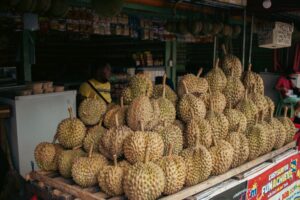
x: 279, y: 182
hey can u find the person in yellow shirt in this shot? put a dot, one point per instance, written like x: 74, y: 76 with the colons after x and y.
x: 99, y: 85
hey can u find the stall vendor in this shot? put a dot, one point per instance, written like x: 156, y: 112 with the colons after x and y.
x: 99, y: 85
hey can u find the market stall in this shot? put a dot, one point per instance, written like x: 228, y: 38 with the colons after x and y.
x: 149, y: 99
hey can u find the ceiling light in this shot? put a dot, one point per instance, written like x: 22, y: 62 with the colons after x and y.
x: 267, y: 4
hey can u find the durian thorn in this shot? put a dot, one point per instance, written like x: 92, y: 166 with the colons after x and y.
x: 199, y: 72
x: 77, y: 147
x: 122, y: 102
x: 164, y: 86
x: 142, y: 126
x: 117, y: 120
x: 285, y: 111
x: 147, y: 154
x: 70, y: 112
x: 185, y: 87
x: 224, y: 49
x: 249, y: 67
x: 115, y: 160
x: 91, y: 150
x: 217, y: 63
x: 54, y: 138
x: 170, y: 150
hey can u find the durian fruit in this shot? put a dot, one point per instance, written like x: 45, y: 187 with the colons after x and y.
x: 232, y: 65
x: 216, y: 78
x: 171, y: 134
x: 198, y: 163
x: 135, y: 146
x: 289, y: 126
x: 257, y: 138
x: 139, y: 85
x: 90, y: 110
x: 222, y: 156
x: 271, y: 134
x: 86, y: 169
x: 140, y: 110
x: 236, y: 119
x: 198, y: 126
x: 93, y: 135
x: 112, y: 141
x: 239, y: 143
x: 66, y: 159
x: 71, y: 132
x: 248, y: 108
x: 194, y: 84
x: 234, y: 90
x: 109, y: 117
x: 280, y: 132
x: 166, y: 109
x: 259, y: 100
x: 110, y: 179
x: 218, y: 99
x: 189, y: 103
x: 218, y: 122
x: 46, y: 155
x: 144, y: 180
x: 174, y: 170
x: 252, y: 79
x: 170, y: 94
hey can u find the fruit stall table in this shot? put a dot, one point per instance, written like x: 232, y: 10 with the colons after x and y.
x: 52, y: 185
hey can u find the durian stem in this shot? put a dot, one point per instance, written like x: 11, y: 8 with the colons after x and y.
x: 224, y: 49
x: 70, y: 112
x: 77, y: 147
x: 285, y: 111
x: 239, y: 128
x: 170, y: 150
x: 217, y: 63
x: 54, y: 138
x: 249, y: 67
x: 256, y: 118
x: 199, y: 72
x: 215, y: 143
x: 185, y: 87
x: 164, y: 86
x: 91, y: 150
x: 147, y: 154
x: 192, y: 113
x: 117, y: 120
x: 246, y: 94
x: 115, y: 160
x: 142, y: 126
x: 262, y: 116
x: 122, y: 102
x: 229, y: 105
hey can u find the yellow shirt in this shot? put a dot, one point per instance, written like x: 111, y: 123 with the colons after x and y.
x: 87, y: 91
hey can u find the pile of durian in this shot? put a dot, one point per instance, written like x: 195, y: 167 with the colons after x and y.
x: 158, y: 141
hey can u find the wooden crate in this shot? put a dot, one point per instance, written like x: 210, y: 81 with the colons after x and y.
x: 66, y: 189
